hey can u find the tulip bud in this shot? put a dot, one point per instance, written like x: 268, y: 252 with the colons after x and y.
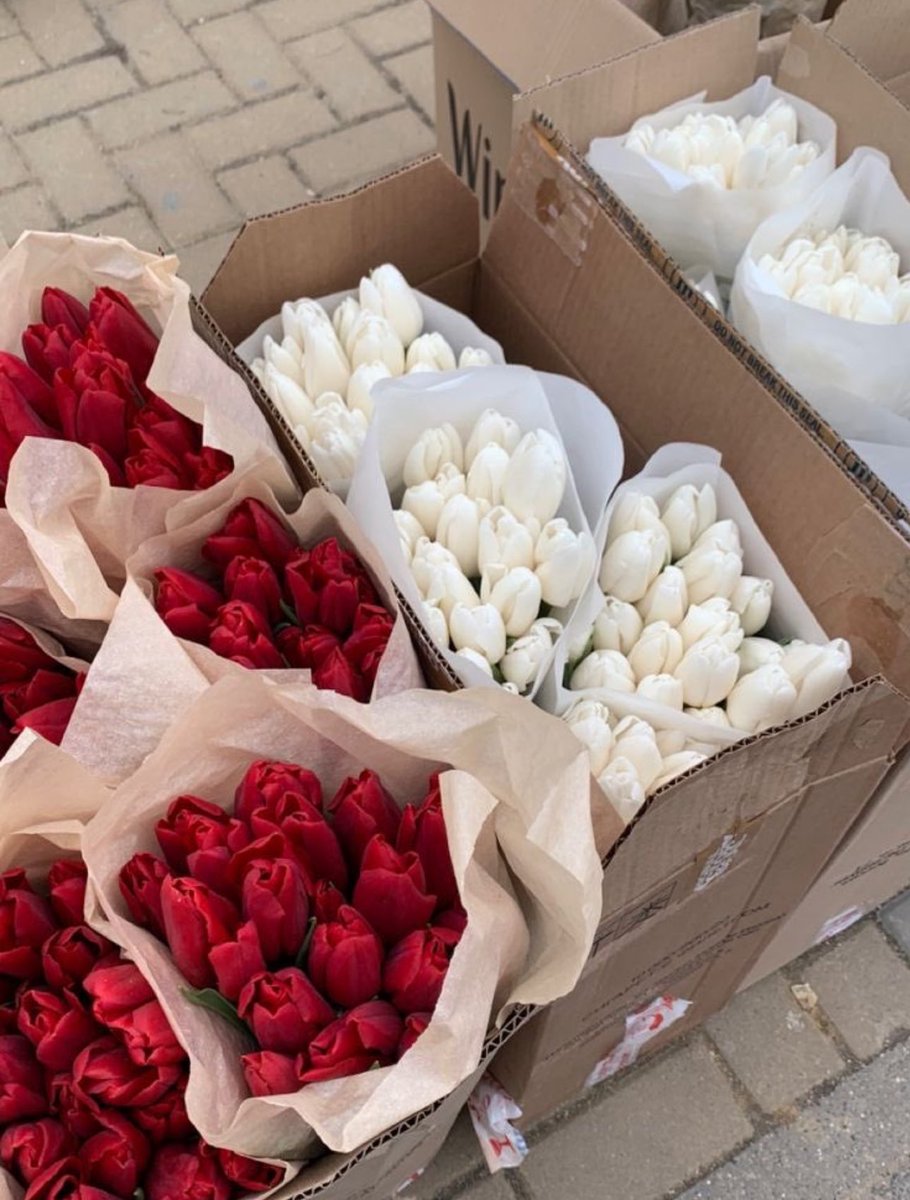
x: 657, y: 652
x: 446, y: 586
x: 708, y: 671
x: 589, y: 720
x: 755, y: 652
x: 432, y: 349
x: 387, y: 292
x: 634, y: 740
x: 335, y: 454
x: 435, y: 620
x: 622, y: 787
x: 711, y: 716
x: 487, y: 472
x: 426, y: 500
x: 491, y: 426
x: 635, y: 511
x: 502, y: 538
x: 662, y: 689
x: 687, y: 513
x: 751, y: 598
x: 433, y: 450
x: 763, y: 698
x: 669, y: 741
x: 410, y: 531
x: 290, y: 326
x: 458, y: 530
x: 480, y: 629
x: 631, y: 564
x: 295, y: 405
x: 721, y: 535
x: 618, y: 626
x: 470, y: 357
x: 712, y: 618
x: 344, y: 318
x: 523, y: 660
x: 360, y: 386
x: 678, y: 764
x: 603, y: 669
x: 426, y: 556
x: 666, y: 598
x: 325, y: 365
x: 535, y: 480
x: 478, y: 660
x: 817, y: 673
x: 283, y: 358
x: 374, y: 340
x: 710, y: 573
x: 514, y: 593
x: 564, y: 561
x: 310, y: 314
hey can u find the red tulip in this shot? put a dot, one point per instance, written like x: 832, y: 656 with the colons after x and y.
x: 299, y: 582
x: 27, y: 405
x: 327, y: 900
x: 50, y: 720
x: 26, y: 922
x: 314, y: 846
x: 166, y: 1119
x: 283, y: 1010
x: 414, y: 1025
x: 47, y: 349
x: 21, y: 1081
x: 192, y: 824
x: 415, y: 969
x: 44, y: 687
x: 254, y: 581
x: 238, y: 961
x: 270, y: 846
x: 78, y: 1113
x: 56, y: 1024
x: 116, y: 324
x: 72, y: 953
x: 140, y: 884
x: 330, y: 563
x: 335, y: 674
x: 366, y: 1036
x: 153, y: 466
x: 251, y: 529
x: 423, y: 830
x: 66, y: 880
x: 158, y: 426
x: 196, y: 919
x: 268, y: 1073
x: 186, y: 603
x: 267, y: 791
x: 246, y: 1174
x: 452, y: 918
x: 360, y: 809
x: 187, y: 1172
x: 105, y: 1073
x: 116, y: 1157
x: 242, y: 634
x: 306, y: 648
x: 148, y: 1037
x: 117, y: 991
x: 64, y: 1180
x: 345, y: 959
x: 338, y: 602
x: 20, y: 654
x: 366, y: 645
x: 391, y: 891
x: 207, y: 467
x: 31, y: 1147
x: 60, y: 308
x: 274, y: 898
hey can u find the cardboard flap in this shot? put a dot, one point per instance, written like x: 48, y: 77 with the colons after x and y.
x: 820, y: 70
x: 331, y: 243
x: 530, y: 41
x: 604, y: 100
x: 878, y: 33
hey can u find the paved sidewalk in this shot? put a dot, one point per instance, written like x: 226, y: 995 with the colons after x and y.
x: 169, y: 121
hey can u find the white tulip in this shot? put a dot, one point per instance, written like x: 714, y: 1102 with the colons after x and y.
x: 344, y: 318
x: 521, y: 663
x: 491, y: 426
x: 710, y: 572
x: 335, y: 453
x: 662, y: 689
x: 331, y: 412
x: 514, y: 593
x: 458, y: 528
x: 817, y: 673
x: 432, y: 349
x: 290, y: 326
x: 295, y: 405
x: 669, y: 741
x: 636, y: 511
x: 410, y: 531
x: 677, y: 764
x: 634, y: 739
x: 445, y: 586
x: 325, y: 364
x: 387, y: 292
x: 711, y: 618
x: 711, y: 716
x: 433, y: 450
x: 360, y: 386
x: 470, y: 357
x: 486, y: 473
x: 435, y: 620
x: 373, y: 339
x: 708, y: 671
x: 564, y: 562
x: 618, y: 626
x: 658, y: 651
x: 282, y: 358
x: 502, y: 538
x: 426, y: 556
x: 666, y: 599
x: 763, y: 698
x: 751, y: 598
x: 480, y: 629
x: 622, y: 787
x: 603, y: 669
x: 426, y: 500
x: 589, y: 720
x: 755, y: 652
x: 631, y: 564
x: 478, y: 660
x: 721, y: 535
x: 687, y: 513
x: 535, y: 480
x: 310, y: 314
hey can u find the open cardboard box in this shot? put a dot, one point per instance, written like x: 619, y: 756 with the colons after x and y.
x: 716, y: 860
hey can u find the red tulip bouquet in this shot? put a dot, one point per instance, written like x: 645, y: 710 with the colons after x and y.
x: 321, y: 894
x: 92, y: 1078
x: 39, y: 683
x: 112, y: 410
x: 245, y: 587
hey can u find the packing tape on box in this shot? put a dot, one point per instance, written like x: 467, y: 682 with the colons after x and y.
x: 492, y: 1111
x: 555, y: 198
x: 641, y: 1027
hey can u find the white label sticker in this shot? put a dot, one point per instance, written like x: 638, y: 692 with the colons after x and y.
x: 720, y: 861
x: 492, y: 1110
x: 641, y: 1027
x: 836, y: 925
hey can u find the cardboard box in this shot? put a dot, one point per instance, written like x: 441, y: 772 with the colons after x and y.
x: 484, y: 58
x: 871, y: 865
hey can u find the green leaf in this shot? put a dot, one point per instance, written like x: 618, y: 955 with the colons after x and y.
x: 300, y: 960
x: 216, y: 1003
x: 289, y: 613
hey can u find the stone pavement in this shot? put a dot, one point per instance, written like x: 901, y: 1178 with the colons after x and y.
x: 773, y: 1100
x: 169, y: 121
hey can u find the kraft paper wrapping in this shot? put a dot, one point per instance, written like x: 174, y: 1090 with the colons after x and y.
x: 81, y: 530
x: 118, y: 723
x: 517, y: 807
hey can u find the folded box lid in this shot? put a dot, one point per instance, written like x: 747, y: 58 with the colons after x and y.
x: 532, y: 41
x: 878, y: 33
